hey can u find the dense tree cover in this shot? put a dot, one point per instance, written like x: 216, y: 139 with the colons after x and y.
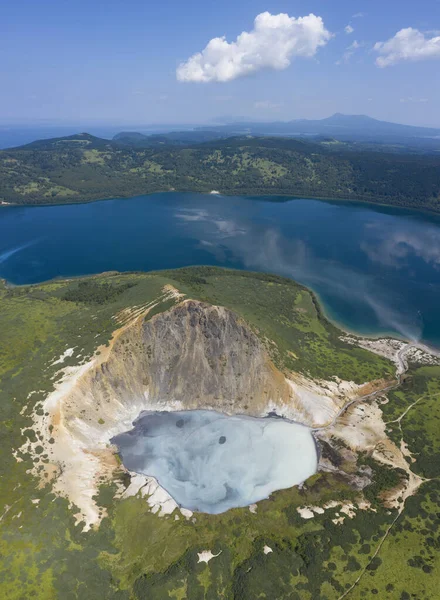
x: 95, y: 293
x: 82, y: 167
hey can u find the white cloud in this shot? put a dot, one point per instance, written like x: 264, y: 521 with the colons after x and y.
x: 407, y: 44
x: 273, y: 42
x: 350, y: 50
x: 348, y: 29
x: 267, y: 105
x: 359, y: 15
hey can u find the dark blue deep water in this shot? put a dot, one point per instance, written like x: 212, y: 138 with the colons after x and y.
x: 376, y: 270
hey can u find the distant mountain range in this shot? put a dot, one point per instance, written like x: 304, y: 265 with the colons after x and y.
x: 337, y: 123
x: 341, y: 127
x: 344, y: 128
x: 352, y: 129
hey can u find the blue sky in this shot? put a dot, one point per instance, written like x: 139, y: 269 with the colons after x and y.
x: 116, y: 60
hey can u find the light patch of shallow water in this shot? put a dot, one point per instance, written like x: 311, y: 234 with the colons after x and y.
x: 211, y: 462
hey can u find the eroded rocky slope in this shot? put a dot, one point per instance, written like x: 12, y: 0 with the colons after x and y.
x: 194, y: 355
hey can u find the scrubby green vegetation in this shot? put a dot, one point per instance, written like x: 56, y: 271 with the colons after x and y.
x: 418, y: 401
x: 137, y: 555
x: 95, y: 293
x: 408, y: 563
x: 384, y: 478
x: 83, y: 167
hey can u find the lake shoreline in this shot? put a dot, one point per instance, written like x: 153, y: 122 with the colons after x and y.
x: 366, y: 264
x: 320, y: 305
x: 249, y: 195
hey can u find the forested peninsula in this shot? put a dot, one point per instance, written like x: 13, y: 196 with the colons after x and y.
x: 83, y: 168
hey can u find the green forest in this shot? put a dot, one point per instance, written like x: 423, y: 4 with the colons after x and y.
x: 84, y: 168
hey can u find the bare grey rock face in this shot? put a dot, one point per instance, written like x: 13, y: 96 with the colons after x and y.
x: 205, y: 355
x: 193, y: 356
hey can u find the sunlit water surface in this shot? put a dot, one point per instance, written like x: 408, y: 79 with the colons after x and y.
x: 376, y: 269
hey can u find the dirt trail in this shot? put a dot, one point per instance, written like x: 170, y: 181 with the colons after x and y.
x: 402, y: 367
x: 378, y: 549
x: 414, y: 483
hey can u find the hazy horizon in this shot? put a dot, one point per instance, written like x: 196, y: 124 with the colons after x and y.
x: 215, y: 121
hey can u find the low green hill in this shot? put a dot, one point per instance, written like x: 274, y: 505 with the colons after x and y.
x: 83, y: 167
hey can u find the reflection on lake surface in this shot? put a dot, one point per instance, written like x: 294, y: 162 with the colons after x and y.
x: 211, y: 462
x: 376, y: 269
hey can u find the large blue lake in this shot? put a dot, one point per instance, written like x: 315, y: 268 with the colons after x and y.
x: 376, y: 270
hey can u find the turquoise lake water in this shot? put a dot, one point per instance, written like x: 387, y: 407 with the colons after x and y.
x: 376, y: 269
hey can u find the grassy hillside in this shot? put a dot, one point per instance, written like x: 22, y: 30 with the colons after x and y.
x: 137, y: 555
x: 83, y: 167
